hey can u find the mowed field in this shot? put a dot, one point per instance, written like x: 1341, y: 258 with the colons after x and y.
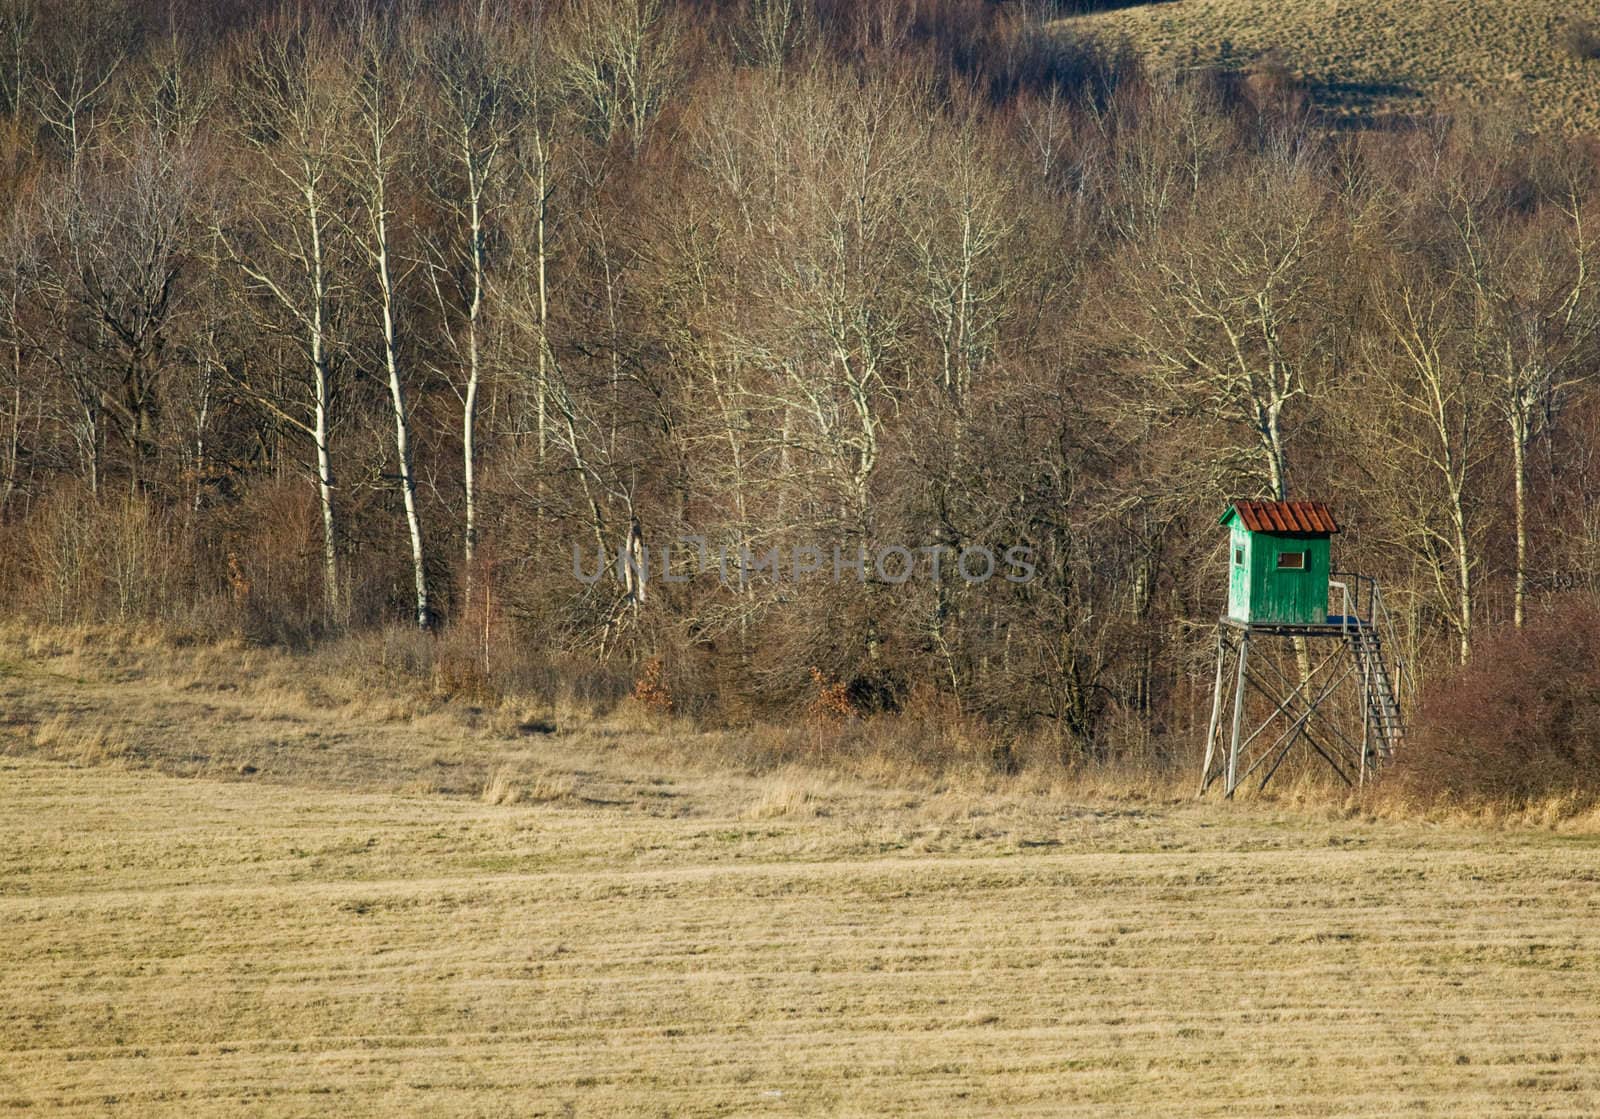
x: 1370, y: 58
x: 199, y: 917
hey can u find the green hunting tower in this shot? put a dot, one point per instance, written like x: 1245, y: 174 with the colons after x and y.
x: 1281, y: 586
x: 1278, y: 574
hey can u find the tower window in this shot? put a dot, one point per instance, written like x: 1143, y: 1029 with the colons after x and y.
x: 1291, y: 561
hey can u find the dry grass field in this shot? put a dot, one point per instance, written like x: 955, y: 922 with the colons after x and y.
x: 1369, y: 58
x: 223, y: 894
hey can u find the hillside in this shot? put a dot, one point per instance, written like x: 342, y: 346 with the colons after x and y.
x: 1368, y: 58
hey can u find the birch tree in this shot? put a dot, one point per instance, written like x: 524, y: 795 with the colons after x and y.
x: 1430, y: 411
x: 20, y: 401
x: 284, y: 240
x: 962, y: 244
x: 380, y: 111
x: 1534, y: 319
x: 475, y: 120
x: 619, y: 65
x: 525, y: 287
x: 1225, y: 314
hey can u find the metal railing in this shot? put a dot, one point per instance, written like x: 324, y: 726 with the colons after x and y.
x: 1361, y: 607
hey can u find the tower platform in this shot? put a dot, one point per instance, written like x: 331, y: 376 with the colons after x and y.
x: 1332, y: 688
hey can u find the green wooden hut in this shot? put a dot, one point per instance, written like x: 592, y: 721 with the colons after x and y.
x: 1278, y: 562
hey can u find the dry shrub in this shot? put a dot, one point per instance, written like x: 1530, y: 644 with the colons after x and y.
x: 1518, y: 727
x: 129, y: 559
x: 832, y: 700
x: 270, y: 563
x: 650, y: 690
x: 461, y: 670
x: 1582, y: 40
x: 785, y: 795
x: 551, y: 787
x: 119, y: 558
x: 928, y: 739
x: 502, y: 787
x: 1000, y: 49
x: 71, y: 738
x: 1271, y: 87
x: 454, y: 665
x: 507, y: 786
x: 932, y: 730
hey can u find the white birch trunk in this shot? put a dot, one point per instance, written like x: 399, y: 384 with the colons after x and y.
x: 541, y: 388
x: 1519, y: 468
x: 402, y: 420
x: 379, y: 217
x: 322, y: 391
x: 469, y: 409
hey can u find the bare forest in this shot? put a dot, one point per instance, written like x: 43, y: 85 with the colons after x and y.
x: 329, y: 319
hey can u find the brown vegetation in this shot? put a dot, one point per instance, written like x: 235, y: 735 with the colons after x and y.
x: 1519, y: 728
x: 1380, y: 62
x: 1582, y: 38
x: 378, y: 900
x: 319, y: 321
x: 335, y: 341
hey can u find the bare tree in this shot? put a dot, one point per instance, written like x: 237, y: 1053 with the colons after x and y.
x: 284, y: 233
x: 771, y: 30
x: 381, y: 110
x: 1431, y: 407
x: 71, y: 88
x: 1226, y: 312
x: 620, y: 64
x: 19, y: 20
x: 524, y: 288
x: 475, y: 118
x: 1535, y: 316
x: 1147, y: 157
x: 23, y: 401
x: 124, y: 235
x: 962, y: 240
x: 821, y: 354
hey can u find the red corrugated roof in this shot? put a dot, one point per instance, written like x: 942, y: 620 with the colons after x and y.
x: 1285, y: 516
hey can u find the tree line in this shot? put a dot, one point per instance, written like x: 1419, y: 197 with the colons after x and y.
x: 318, y: 318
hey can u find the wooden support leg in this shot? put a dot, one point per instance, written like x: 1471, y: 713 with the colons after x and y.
x: 1238, y: 715
x: 1216, y: 711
